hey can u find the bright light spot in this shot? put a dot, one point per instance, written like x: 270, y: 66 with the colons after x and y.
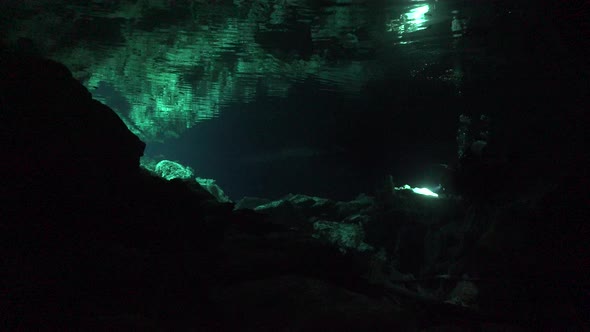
x: 412, y: 21
x: 424, y: 191
x: 418, y: 13
x: 420, y: 191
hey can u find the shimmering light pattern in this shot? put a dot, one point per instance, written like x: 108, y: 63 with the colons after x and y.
x: 178, y: 63
x: 419, y: 191
x: 412, y: 21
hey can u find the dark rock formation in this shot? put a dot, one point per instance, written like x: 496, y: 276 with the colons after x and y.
x: 86, y: 237
x: 89, y: 241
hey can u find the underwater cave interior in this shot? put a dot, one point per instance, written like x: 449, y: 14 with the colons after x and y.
x: 410, y: 165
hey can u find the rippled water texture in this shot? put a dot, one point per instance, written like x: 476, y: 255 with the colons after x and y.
x: 324, y: 97
x: 166, y: 65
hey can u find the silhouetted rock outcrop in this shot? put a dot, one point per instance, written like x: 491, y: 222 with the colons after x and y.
x: 51, y: 126
x: 86, y: 236
x: 89, y: 241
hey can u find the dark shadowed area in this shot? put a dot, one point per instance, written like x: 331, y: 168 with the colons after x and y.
x: 294, y: 165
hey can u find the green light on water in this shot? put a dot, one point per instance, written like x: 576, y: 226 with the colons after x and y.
x: 419, y: 191
x: 412, y: 21
x: 417, y: 14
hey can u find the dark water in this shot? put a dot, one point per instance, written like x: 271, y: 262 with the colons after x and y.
x: 317, y: 97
